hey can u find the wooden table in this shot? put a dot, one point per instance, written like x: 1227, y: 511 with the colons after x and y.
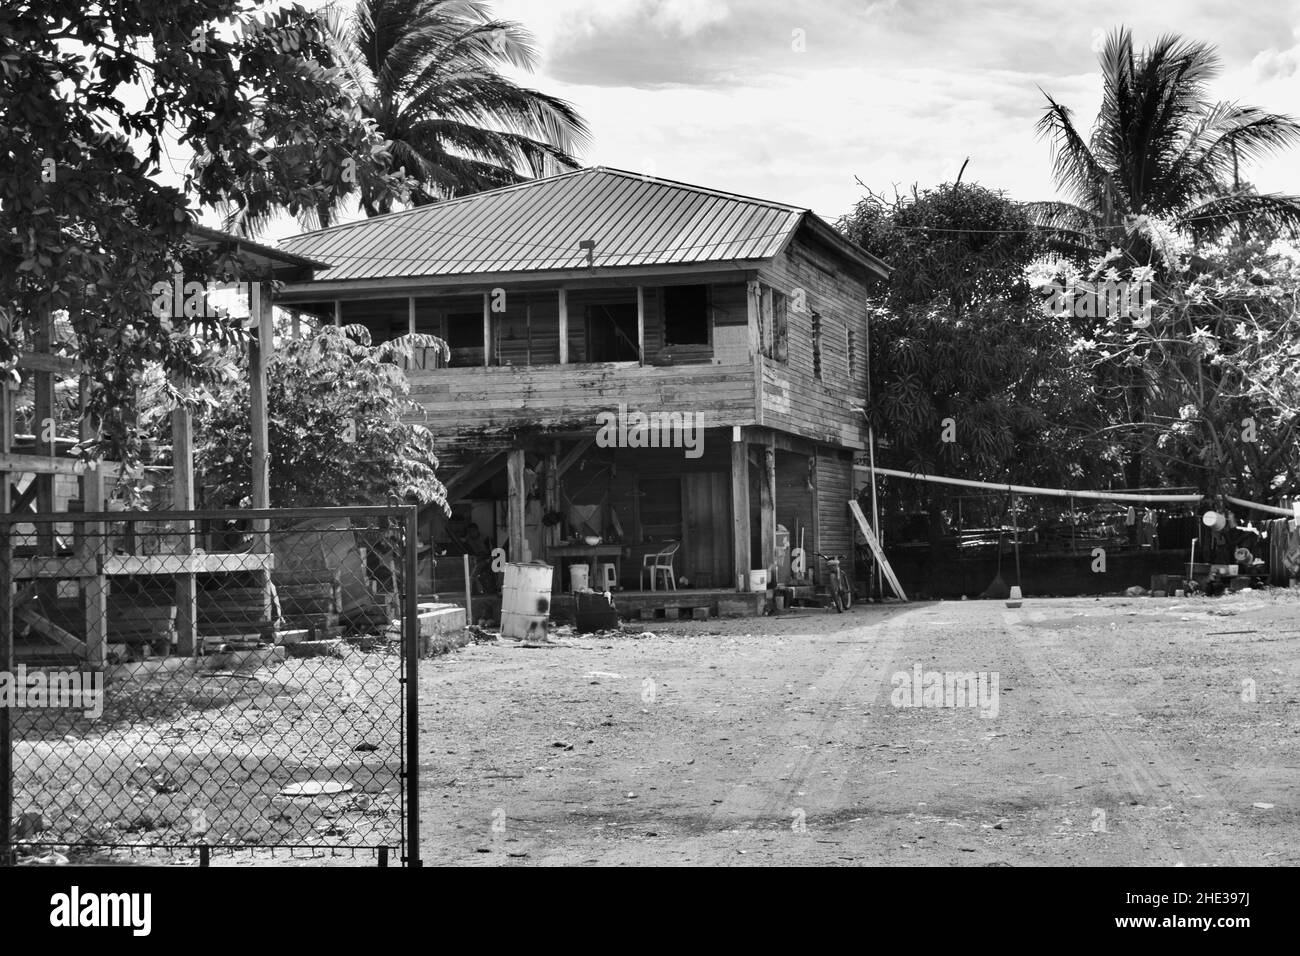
x: 590, y: 551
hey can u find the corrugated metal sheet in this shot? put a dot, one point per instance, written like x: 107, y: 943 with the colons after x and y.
x: 634, y: 220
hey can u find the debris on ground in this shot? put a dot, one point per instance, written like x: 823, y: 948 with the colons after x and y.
x: 30, y: 824
x: 481, y: 635
x: 313, y: 788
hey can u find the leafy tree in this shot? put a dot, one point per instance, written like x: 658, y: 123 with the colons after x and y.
x: 956, y: 245
x: 1218, y: 357
x: 967, y: 376
x: 990, y: 396
x: 1160, y: 150
x: 87, y: 91
x: 1161, y: 147
x: 336, y: 428
x: 426, y: 73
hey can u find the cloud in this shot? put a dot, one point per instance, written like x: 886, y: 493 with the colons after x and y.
x: 688, y: 17
x: 1274, y: 65
x: 893, y: 91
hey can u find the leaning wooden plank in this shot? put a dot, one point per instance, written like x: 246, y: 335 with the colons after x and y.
x: 876, y: 549
x: 69, y: 642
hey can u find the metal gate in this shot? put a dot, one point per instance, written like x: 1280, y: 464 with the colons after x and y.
x: 185, y: 684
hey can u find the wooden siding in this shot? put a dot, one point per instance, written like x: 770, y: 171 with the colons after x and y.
x: 795, y: 399
x: 480, y: 410
x: 834, y: 529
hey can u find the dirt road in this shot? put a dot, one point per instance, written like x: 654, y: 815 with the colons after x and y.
x: 1118, y: 732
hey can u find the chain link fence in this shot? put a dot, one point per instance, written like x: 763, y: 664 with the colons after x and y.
x: 188, y: 683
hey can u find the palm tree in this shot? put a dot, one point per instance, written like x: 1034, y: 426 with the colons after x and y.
x: 1161, y: 147
x: 426, y: 72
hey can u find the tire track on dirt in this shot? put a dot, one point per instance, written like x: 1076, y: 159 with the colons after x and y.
x: 769, y: 792
x: 1143, y: 767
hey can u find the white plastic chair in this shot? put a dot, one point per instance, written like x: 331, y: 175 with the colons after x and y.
x: 661, y: 561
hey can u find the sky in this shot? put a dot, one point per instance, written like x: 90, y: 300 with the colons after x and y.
x: 794, y: 102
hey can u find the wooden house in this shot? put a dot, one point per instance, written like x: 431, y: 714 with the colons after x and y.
x: 607, y: 293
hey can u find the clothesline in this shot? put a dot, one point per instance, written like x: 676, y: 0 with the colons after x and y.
x: 1032, y: 490
x: 1070, y: 493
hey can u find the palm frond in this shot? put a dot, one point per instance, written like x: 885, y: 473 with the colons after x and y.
x: 1275, y: 210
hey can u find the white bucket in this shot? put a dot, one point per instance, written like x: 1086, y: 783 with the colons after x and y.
x: 526, y: 601
x: 758, y: 580
x: 579, y: 577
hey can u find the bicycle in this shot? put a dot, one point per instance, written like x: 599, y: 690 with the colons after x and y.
x: 841, y: 592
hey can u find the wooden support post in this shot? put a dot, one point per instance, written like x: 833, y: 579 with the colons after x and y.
x: 94, y: 590
x: 767, y: 511
x: 45, y: 447
x: 44, y: 427
x: 410, y: 315
x: 259, y: 352
x: 186, y: 589
x: 7, y: 667
x: 640, y: 324
x: 564, y: 327
x: 6, y: 442
x: 551, y: 533
x: 487, y: 329
x: 740, y: 508
x: 517, y: 494
x: 338, y: 314
x: 469, y: 594
x: 6, y: 632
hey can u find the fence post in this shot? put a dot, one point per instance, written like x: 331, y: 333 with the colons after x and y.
x: 411, y: 634
x: 469, y: 594
x: 6, y: 666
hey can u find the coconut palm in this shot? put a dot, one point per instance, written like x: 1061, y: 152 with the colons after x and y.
x: 427, y: 73
x: 1160, y: 146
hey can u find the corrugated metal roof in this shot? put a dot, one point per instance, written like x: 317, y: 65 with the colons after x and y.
x: 634, y: 220
x: 269, y: 254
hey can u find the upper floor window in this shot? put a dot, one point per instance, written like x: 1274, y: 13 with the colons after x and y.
x: 774, y: 320
x: 686, y: 315
x: 612, y: 333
